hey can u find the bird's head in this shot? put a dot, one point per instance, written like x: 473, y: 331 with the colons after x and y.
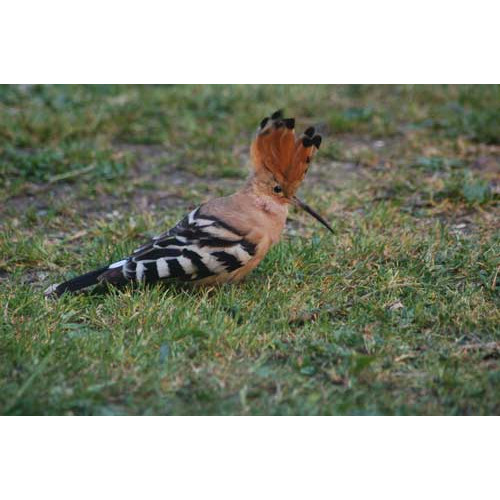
x: 281, y: 160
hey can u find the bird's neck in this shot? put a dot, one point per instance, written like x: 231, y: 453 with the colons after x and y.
x: 269, y: 212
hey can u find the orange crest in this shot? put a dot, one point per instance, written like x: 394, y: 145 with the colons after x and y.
x: 277, y: 150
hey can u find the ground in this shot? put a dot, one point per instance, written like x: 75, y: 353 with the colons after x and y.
x: 396, y: 313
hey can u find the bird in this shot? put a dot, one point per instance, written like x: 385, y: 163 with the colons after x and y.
x: 224, y: 239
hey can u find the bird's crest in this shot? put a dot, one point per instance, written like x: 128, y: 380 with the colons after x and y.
x: 277, y: 150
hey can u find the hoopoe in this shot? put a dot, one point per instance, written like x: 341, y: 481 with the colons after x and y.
x: 222, y: 240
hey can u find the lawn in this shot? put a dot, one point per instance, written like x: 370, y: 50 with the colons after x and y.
x: 396, y: 313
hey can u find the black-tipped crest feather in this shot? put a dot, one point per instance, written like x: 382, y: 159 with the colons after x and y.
x: 309, y: 131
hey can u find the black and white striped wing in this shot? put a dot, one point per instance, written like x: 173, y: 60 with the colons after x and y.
x: 199, y: 246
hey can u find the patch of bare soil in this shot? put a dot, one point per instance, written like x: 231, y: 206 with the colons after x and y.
x: 151, y: 187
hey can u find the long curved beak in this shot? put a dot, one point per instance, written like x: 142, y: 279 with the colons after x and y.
x: 312, y: 212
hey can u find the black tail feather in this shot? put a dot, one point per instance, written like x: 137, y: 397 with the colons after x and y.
x: 83, y: 281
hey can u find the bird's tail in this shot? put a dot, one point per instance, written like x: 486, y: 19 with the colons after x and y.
x: 78, y: 283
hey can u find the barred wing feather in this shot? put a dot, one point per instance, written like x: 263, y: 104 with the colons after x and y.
x: 197, y: 247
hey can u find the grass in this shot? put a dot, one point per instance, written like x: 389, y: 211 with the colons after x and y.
x: 397, y: 313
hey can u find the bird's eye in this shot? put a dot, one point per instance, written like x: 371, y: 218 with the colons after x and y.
x: 277, y: 189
